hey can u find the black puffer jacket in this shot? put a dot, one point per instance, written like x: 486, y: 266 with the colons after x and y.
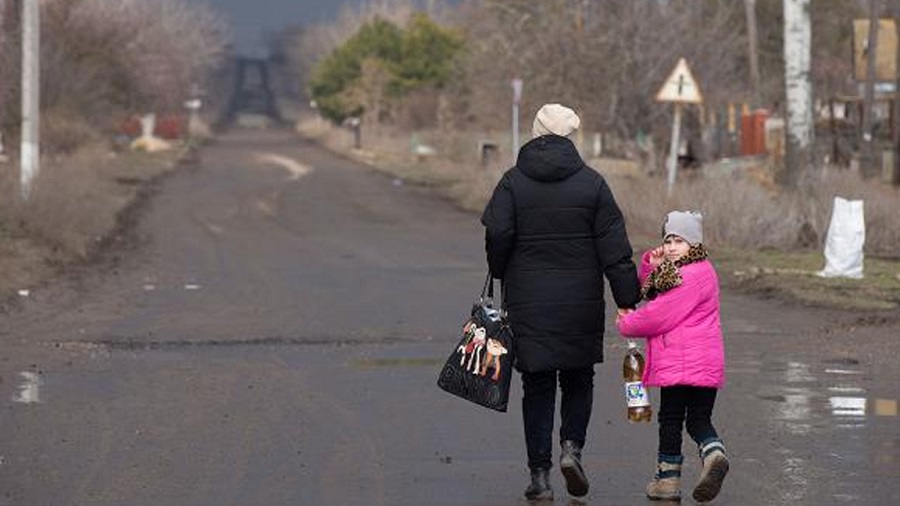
x: 553, y: 230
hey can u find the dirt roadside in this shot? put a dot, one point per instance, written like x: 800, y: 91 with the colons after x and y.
x: 96, y: 197
x: 785, y: 276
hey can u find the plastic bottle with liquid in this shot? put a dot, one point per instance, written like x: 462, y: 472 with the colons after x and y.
x: 636, y: 395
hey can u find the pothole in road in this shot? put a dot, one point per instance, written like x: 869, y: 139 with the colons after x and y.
x: 397, y: 362
x: 842, y: 361
x: 138, y: 344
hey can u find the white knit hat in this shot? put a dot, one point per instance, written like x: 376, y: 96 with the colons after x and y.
x: 685, y: 224
x: 555, y: 119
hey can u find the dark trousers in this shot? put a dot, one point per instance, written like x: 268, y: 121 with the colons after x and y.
x: 539, y: 405
x: 685, y: 406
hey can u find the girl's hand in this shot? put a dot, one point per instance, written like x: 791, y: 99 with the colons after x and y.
x: 657, y: 255
x: 621, y: 313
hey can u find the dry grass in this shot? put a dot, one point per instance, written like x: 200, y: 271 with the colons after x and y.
x: 792, y: 275
x: 455, y: 171
x: 741, y: 207
x: 741, y: 212
x: 763, y: 240
x: 74, y: 205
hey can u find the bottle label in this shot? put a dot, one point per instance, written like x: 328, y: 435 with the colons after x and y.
x: 636, y: 394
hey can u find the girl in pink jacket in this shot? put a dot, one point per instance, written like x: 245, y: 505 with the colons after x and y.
x: 685, y: 352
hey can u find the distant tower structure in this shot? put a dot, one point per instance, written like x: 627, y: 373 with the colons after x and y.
x: 253, y: 89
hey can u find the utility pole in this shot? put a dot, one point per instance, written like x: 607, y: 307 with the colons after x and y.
x: 868, y: 167
x: 672, y: 161
x: 31, y: 88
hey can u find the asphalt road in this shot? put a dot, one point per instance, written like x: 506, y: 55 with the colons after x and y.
x: 271, y: 330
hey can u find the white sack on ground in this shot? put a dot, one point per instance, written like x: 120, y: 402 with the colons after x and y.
x: 845, y: 240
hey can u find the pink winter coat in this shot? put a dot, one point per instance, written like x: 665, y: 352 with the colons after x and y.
x: 684, y: 336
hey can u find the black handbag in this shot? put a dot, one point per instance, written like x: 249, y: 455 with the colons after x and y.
x: 480, y: 367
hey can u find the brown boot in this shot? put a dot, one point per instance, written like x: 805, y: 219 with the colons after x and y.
x: 715, y: 467
x: 666, y: 484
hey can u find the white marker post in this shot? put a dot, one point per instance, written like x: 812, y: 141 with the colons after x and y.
x: 517, y: 97
x: 680, y: 88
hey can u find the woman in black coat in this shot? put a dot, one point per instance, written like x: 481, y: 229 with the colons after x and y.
x: 553, y: 230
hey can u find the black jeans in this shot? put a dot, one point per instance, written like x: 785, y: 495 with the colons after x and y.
x: 539, y: 405
x: 685, y: 406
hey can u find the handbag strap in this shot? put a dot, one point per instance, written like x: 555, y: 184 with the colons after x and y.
x: 487, y: 293
x: 488, y: 289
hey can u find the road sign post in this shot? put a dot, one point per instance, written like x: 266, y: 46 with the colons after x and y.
x: 679, y: 88
x: 672, y: 161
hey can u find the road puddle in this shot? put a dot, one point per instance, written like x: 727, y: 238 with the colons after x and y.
x: 798, y: 373
x: 835, y: 403
x: 887, y: 457
x: 848, y: 406
x: 863, y: 406
x: 367, y: 363
x: 801, y: 400
x: 885, y: 407
x: 842, y: 371
x: 30, y: 389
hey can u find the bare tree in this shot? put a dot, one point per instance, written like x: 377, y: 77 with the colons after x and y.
x: 102, y: 60
x: 798, y: 87
x: 131, y: 53
x: 868, y: 167
x: 607, y: 58
x: 611, y: 68
x: 753, y: 49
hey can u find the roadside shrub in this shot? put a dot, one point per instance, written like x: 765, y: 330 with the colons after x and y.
x: 336, y: 75
x: 63, y: 134
x: 740, y: 212
x: 382, y: 62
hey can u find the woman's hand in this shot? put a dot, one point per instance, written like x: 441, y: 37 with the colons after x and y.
x: 657, y: 255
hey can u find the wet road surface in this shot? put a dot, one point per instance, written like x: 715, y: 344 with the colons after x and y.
x: 272, y: 335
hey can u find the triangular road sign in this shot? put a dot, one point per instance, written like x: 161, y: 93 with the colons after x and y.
x: 680, y: 86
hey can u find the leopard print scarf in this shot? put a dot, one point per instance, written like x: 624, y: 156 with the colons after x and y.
x: 667, y: 276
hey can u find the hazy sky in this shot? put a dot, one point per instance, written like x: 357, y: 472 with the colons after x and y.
x: 250, y: 19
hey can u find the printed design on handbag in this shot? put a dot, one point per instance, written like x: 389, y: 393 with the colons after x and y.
x: 474, y: 345
x: 495, y: 350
